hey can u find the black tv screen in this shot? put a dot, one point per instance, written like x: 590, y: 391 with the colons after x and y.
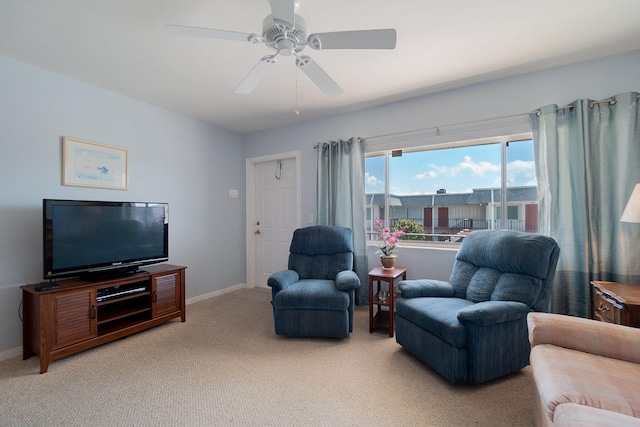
x: 83, y: 237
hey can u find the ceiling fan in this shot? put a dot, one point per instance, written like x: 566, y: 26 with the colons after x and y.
x: 285, y: 32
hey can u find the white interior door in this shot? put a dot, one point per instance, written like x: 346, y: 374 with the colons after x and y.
x: 276, y: 214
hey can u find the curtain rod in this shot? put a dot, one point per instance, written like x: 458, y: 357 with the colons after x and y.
x: 437, y: 128
x: 611, y: 101
x: 348, y: 141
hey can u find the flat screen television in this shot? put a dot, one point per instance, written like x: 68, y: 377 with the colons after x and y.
x: 93, y: 239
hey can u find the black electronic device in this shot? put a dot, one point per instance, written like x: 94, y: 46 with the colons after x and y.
x: 94, y: 239
x: 46, y: 286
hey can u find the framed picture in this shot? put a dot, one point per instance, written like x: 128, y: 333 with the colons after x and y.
x: 88, y: 164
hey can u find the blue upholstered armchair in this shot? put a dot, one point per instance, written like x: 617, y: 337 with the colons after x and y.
x: 473, y: 328
x: 315, y: 296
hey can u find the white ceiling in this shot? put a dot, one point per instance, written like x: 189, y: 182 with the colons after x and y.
x: 121, y: 45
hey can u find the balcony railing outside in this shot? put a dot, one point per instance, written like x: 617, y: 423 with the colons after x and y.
x: 457, y: 229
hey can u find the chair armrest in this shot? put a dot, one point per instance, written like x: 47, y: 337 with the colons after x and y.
x: 425, y: 288
x: 347, y: 280
x: 491, y: 312
x: 586, y: 335
x: 282, y: 279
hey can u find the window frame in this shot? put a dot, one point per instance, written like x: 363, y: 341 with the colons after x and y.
x: 390, y: 147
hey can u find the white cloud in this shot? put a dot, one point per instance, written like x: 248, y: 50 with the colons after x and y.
x: 520, y: 172
x: 478, y: 168
x: 372, y: 182
x: 443, y: 170
x: 421, y: 175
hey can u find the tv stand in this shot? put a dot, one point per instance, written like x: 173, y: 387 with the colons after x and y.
x: 82, y: 314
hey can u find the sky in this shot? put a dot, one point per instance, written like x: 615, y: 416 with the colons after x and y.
x: 457, y: 170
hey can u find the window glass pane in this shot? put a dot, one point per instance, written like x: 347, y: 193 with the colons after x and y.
x: 522, y: 187
x: 444, y: 194
x: 443, y: 191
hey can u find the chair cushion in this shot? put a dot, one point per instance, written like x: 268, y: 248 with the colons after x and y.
x: 321, y: 251
x: 517, y: 287
x: 503, y: 265
x: 312, y: 294
x: 482, y: 284
x: 436, y: 315
x: 320, y: 266
x: 321, y: 240
x: 509, y: 251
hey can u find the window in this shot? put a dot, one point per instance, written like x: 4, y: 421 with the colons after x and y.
x: 442, y: 194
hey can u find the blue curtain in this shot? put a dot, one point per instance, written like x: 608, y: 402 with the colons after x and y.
x: 587, y: 159
x: 340, y: 199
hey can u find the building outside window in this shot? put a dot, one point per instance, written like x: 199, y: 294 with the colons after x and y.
x: 442, y: 194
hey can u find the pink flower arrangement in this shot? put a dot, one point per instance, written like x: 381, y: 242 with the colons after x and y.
x: 389, y: 238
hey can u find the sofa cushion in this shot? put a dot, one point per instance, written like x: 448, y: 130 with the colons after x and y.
x: 568, y: 376
x: 436, y: 315
x: 312, y: 294
x: 574, y: 415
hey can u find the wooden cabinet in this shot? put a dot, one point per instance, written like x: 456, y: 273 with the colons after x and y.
x: 617, y: 303
x: 73, y: 317
x: 83, y: 314
x: 166, y: 295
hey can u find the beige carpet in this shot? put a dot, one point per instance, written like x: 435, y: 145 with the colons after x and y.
x: 225, y: 366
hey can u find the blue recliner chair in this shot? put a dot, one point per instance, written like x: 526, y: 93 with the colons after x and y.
x: 315, y: 296
x: 473, y: 328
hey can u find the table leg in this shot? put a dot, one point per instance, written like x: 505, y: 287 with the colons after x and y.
x: 392, y: 299
x: 370, y: 304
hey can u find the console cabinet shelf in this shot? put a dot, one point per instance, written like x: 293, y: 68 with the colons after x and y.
x: 82, y: 314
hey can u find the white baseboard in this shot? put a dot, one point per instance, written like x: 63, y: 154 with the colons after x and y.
x: 17, y: 351
x: 12, y: 352
x: 215, y: 293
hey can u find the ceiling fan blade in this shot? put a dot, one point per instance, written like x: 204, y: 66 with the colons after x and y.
x: 326, y: 84
x: 255, y: 75
x: 211, y: 33
x: 283, y: 10
x: 363, y: 39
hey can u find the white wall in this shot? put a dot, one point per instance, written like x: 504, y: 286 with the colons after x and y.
x: 597, y: 79
x: 173, y: 158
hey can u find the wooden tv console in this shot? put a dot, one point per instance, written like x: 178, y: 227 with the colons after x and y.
x: 82, y: 314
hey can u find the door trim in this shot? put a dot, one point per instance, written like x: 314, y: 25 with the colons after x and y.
x: 250, y: 192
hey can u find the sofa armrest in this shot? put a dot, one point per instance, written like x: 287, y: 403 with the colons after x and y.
x: 282, y: 279
x: 491, y: 312
x: 573, y: 414
x: 425, y: 288
x: 347, y: 280
x: 586, y: 335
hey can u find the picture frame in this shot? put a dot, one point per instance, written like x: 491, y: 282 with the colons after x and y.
x: 89, y: 164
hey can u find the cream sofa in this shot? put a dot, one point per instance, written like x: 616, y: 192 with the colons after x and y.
x: 585, y: 372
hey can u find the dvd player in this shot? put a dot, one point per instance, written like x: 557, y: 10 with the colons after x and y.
x: 108, y: 293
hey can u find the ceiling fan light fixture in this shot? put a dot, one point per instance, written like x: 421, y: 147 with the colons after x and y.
x: 274, y: 31
x: 286, y: 47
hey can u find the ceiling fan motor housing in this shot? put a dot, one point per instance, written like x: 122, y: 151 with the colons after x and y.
x: 284, y: 37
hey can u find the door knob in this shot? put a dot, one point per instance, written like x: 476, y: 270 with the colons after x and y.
x: 257, y: 232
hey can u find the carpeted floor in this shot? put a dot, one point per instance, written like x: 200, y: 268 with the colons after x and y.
x: 226, y: 367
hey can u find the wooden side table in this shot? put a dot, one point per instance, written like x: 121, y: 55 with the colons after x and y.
x: 617, y: 303
x: 384, y: 318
